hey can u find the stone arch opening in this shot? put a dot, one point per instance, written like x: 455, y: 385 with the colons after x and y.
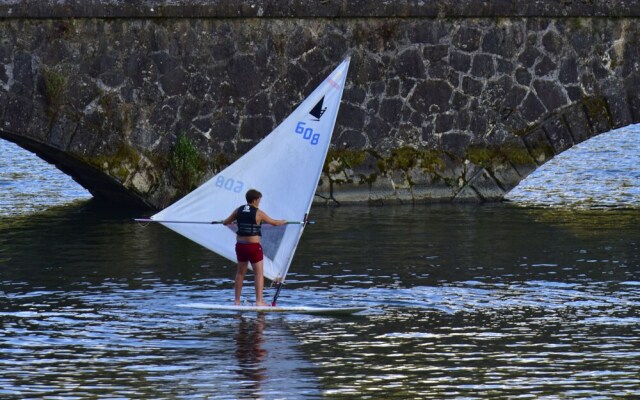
x: 600, y: 172
x: 29, y: 184
x: 530, y: 147
x: 95, y: 182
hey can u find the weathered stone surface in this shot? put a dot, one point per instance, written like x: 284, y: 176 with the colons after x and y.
x: 578, y: 123
x: 467, y: 195
x: 23, y: 75
x: 459, y: 61
x: 618, y: 108
x: 328, y: 8
x: 431, y: 97
x: 483, y: 66
x: 558, y: 134
x: 411, y: 63
x: 539, y: 146
x: 532, y: 108
x: 486, y: 186
x: 598, y: 114
x: 467, y: 38
x: 17, y: 114
x: 550, y: 94
x: 506, y: 177
x: 115, y: 93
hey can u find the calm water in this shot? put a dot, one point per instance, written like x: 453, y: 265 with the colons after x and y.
x: 537, y: 298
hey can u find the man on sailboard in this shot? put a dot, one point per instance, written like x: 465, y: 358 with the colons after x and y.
x: 248, y: 248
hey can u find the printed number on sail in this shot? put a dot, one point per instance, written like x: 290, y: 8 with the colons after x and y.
x: 307, y: 133
x: 229, y: 184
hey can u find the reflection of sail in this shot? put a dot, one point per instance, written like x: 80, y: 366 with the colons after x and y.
x: 285, y: 166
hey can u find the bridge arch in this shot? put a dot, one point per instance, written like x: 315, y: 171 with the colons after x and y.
x: 30, y: 184
x: 502, y: 168
x: 446, y: 101
x: 99, y: 184
x: 600, y: 172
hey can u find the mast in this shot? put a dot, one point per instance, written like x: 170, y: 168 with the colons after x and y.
x: 337, y: 81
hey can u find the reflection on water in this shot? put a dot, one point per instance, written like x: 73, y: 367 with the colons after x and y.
x: 250, y: 351
x: 490, y: 301
x: 483, y: 302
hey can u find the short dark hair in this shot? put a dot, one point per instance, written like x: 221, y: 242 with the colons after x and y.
x: 252, y: 195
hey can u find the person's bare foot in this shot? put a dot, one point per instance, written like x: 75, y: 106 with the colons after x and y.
x: 261, y: 304
x: 236, y: 303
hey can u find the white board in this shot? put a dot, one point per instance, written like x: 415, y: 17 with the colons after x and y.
x: 276, y: 309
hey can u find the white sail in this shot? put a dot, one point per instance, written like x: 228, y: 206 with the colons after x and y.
x: 285, y: 167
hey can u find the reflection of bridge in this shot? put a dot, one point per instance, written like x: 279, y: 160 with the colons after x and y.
x: 454, y: 101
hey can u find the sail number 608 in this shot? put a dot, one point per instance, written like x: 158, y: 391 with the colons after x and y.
x: 307, y: 133
x: 229, y: 184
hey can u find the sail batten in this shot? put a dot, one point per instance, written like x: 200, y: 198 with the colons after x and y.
x: 285, y: 166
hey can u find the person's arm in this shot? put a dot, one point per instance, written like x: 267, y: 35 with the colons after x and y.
x: 230, y: 218
x: 262, y: 217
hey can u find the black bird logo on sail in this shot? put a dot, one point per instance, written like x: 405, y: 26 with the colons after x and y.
x: 317, y: 110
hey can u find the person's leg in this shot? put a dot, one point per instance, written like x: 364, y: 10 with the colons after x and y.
x: 258, y: 271
x: 242, y: 271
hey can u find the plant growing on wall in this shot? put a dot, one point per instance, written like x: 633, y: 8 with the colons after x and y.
x: 55, y: 88
x: 185, y: 164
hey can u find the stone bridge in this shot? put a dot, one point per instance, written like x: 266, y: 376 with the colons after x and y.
x: 447, y: 100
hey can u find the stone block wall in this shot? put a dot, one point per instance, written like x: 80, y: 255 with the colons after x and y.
x: 445, y: 101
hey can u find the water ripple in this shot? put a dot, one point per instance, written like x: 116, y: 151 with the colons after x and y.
x: 491, y: 301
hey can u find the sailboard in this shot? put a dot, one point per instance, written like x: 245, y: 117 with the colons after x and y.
x: 285, y: 166
x: 276, y: 309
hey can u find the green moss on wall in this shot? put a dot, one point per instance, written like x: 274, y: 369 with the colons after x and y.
x: 117, y: 115
x: 62, y: 29
x: 598, y: 111
x: 404, y: 158
x: 489, y: 157
x: 348, y: 158
x: 579, y: 23
x: 432, y: 161
x: 119, y: 164
x: 220, y: 162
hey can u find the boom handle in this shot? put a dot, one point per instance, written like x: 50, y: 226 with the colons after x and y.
x: 210, y: 222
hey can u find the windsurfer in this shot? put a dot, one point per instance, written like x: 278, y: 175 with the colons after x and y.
x: 248, y: 248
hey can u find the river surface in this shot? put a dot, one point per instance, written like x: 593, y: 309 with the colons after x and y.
x: 534, y: 298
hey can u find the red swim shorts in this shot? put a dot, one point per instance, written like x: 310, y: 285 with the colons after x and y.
x: 251, y: 252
